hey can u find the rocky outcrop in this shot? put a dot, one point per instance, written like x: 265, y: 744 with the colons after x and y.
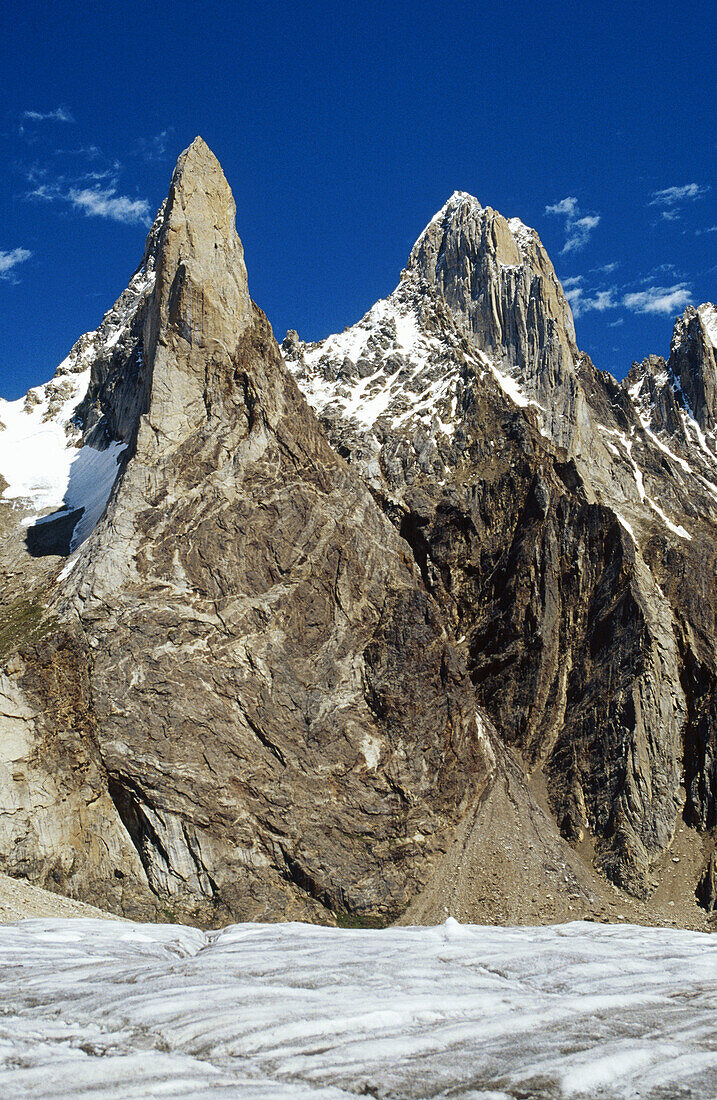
x: 58, y: 826
x: 692, y: 362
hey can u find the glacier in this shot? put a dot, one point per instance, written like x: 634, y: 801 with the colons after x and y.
x: 113, y: 1009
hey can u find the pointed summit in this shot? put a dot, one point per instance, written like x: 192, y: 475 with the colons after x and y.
x: 240, y: 574
x: 201, y: 303
x: 499, y: 284
x: 693, y: 361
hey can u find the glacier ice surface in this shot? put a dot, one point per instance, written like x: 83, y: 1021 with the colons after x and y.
x: 120, y: 1010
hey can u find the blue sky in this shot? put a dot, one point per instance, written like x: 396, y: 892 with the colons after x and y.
x: 342, y: 128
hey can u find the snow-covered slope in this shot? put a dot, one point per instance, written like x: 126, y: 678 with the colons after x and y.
x: 402, y: 364
x: 276, y: 1012
x: 45, y: 464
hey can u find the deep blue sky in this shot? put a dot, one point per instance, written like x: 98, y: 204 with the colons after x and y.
x: 342, y: 128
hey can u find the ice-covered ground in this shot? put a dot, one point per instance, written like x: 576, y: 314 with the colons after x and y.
x: 98, y: 1009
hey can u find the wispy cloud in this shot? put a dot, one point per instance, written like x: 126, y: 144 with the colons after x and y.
x: 578, y: 226
x: 10, y: 260
x: 154, y: 148
x: 671, y: 200
x: 605, y: 269
x: 91, y: 152
x: 93, y: 193
x: 671, y: 196
x: 98, y: 202
x: 582, y: 301
x: 659, y: 299
x: 60, y: 114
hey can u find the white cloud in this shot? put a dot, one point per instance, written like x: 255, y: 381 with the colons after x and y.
x: 60, y: 114
x: 568, y: 207
x: 575, y: 295
x: 582, y: 301
x: 658, y: 299
x: 605, y: 269
x: 106, y: 203
x: 93, y: 193
x: 10, y: 260
x: 603, y: 299
x: 669, y: 196
x: 578, y: 227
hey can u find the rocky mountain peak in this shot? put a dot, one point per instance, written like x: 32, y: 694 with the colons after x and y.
x: 459, y: 235
x: 201, y: 303
x: 693, y: 361
x: 289, y: 605
x: 498, y: 282
x: 260, y: 602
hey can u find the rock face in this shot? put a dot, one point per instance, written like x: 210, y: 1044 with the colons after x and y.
x: 500, y: 286
x: 692, y: 362
x: 350, y: 633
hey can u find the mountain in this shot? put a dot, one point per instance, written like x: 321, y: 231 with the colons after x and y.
x: 561, y: 534
x: 251, y: 628
x: 416, y: 620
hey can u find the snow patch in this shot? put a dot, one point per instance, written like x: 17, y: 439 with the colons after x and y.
x: 708, y: 316
x: 41, y: 459
x: 676, y: 529
x: 37, y: 443
x: 522, y: 234
x: 623, y: 523
x: 371, y: 750
x: 412, y: 378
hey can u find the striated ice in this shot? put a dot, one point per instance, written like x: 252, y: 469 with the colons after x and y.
x: 117, y: 1010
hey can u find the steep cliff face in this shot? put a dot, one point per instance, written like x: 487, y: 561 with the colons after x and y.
x: 285, y: 726
x: 674, y: 400
x: 500, y: 286
x: 693, y: 364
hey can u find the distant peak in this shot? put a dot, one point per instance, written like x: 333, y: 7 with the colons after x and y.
x: 459, y: 197
x: 462, y: 217
x: 457, y: 200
